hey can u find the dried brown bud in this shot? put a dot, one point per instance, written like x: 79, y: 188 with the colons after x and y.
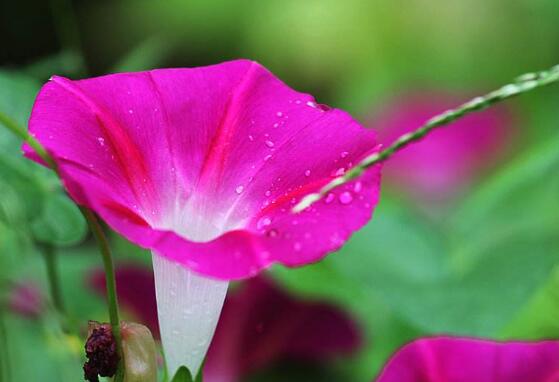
x: 101, y: 352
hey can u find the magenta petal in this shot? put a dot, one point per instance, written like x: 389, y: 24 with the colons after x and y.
x: 262, y: 324
x: 467, y: 360
x: 203, y: 165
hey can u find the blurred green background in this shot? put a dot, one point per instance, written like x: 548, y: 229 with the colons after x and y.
x: 483, y: 262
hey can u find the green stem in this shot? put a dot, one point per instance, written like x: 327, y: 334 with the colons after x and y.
x: 53, y: 277
x: 523, y: 84
x: 21, y: 133
x: 112, y: 300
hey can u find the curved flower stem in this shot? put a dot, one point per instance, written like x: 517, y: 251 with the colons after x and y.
x: 523, y: 84
x: 112, y: 300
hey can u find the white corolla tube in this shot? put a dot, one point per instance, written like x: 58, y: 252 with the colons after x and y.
x: 188, y: 307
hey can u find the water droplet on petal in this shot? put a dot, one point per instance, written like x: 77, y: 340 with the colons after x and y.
x: 101, y: 141
x: 276, y: 125
x: 239, y: 189
x: 346, y: 197
x: 130, y: 111
x: 263, y: 222
x: 267, y: 157
x: 339, y: 172
x: 270, y: 144
x: 344, y: 154
x: 329, y: 198
x: 358, y: 186
x: 279, y: 114
x: 297, y: 246
x: 307, y: 172
x: 272, y: 233
x: 250, y: 138
x: 268, y: 193
x: 311, y: 104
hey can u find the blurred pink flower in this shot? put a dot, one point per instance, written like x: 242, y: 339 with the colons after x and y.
x: 26, y: 299
x: 260, y: 324
x: 467, y: 360
x: 203, y: 166
x: 441, y: 163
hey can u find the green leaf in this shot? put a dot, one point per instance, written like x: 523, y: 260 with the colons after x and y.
x: 183, y: 375
x: 60, y: 222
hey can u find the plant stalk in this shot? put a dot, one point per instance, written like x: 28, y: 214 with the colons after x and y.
x: 522, y: 84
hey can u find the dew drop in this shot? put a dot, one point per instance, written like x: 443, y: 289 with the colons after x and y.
x: 272, y: 233
x: 251, y: 138
x: 268, y: 193
x: 270, y: 144
x: 329, y: 198
x: 346, y: 197
x: 297, y: 246
x: 298, y: 101
x: 267, y: 157
x: 307, y: 172
x: 239, y: 189
x: 263, y: 222
x: 358, y: 186
x: 339, y: 172
x: 279, y: 114
x: 311, y: 104
x: 276, y: 125
x: 130, y: 111
x: 344, y: 154
x: 101, y: 141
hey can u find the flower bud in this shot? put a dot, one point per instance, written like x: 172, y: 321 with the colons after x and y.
x: 138, y: 350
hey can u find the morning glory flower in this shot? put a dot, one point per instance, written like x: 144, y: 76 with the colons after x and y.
x: 203, y: 167
x: 447, y: 359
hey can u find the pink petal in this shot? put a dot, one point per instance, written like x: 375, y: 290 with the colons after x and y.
x: 466, y: 360
x: 261, y: 324
x: 203, y: 165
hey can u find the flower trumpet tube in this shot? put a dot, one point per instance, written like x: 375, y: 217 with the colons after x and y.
x: 203, y: 167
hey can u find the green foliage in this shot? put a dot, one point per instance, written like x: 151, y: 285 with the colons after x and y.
x: 32, y: 199
x: 60, y: 222
x: 184, y: 375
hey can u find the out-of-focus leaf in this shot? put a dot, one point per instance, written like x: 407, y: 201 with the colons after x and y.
x: 148, y: 55
x: 504, y: 243
x: 45, y: 347
x: 67, y: 62
x: 538, y: 318
x: 60, y: 222
x: 521, y: 201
